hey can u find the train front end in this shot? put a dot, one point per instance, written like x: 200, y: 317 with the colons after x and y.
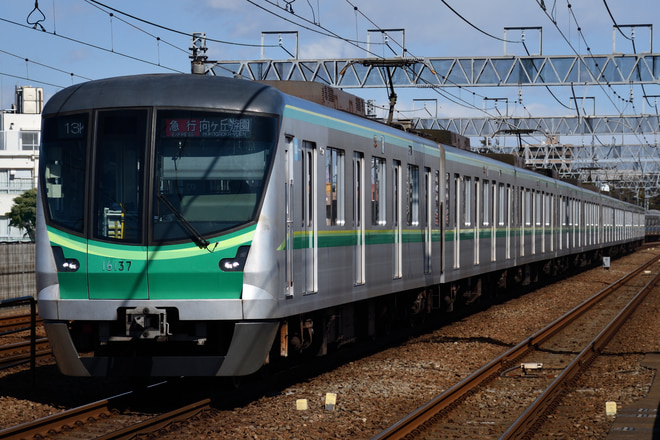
x: 151, y: 193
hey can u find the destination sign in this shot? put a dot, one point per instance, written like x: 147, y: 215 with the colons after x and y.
x: 209, y: 127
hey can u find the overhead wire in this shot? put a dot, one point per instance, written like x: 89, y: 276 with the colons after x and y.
x: 474, y: 26
x: 169, y: 29
x: 94, y: 46
x: 27, y: 60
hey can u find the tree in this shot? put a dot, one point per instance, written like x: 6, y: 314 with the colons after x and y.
x: 23, y: 214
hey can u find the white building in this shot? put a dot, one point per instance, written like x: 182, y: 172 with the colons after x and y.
x: 20, y: 131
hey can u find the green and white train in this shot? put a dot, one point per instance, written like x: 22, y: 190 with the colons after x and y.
x: 197, y: 225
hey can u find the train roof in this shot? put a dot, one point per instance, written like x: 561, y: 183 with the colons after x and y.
x: 171, y: 90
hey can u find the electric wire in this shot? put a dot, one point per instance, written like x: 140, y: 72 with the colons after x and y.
x: 169, y: 29
x: 474, y: 26
x: 94, y: 46
x: 32, y: 80
x: 157, y: 38
x: 27, y: 60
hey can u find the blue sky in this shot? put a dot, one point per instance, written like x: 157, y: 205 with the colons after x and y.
x: 81, y: 37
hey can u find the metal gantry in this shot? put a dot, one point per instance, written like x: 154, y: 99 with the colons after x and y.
x: 618, y: 150
x: 540, y: 70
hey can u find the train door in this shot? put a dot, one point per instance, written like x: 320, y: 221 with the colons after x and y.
x: 301, y: 218
x: 289, y: 209
x: 118, y: 205
x: 397, y: 268
x: 309, y: 226
x: 508, y: 218
x: 477, y: 221
x: 428, y: 221
x: 358, y: 219
x: 458, y: 208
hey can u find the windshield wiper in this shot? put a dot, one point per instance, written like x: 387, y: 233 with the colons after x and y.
x: 194, y: 234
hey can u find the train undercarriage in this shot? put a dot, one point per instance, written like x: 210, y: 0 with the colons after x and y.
x: 323, y: 331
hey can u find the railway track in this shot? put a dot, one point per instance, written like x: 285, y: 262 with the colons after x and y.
x: 530, y: 378
x: 16, y: 323
x: 15, y: 351
x: 19, y: 353
x: 107, y: 419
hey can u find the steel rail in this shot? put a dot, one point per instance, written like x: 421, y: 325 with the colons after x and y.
x: 16, y: 323
x: 430, y: 413
x: 155, y: 423
x: 56, y: 422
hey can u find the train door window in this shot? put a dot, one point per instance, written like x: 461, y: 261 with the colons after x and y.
x: 436, y: 199
x: 587, y: 221
x: 334, y: 187
x: 562, y: 221
x: 448, y: 206
x: 428, y: 220
x: 121, y: 139
x: 396, y: 215
x: 501, y: 208
x: 378, y: 192
x: 571, y: 222
x: 545, y: 211
x: 309, y: 217
x: 64, y: 154
x: 526, y: 214
x: 412, y: 213
x: 507, y: 219
x: 358, y: 216
x: 493, y: 229
x: 536, y: 218
x: 485, y: 215
x: 467, y: 201
x: 567, y: 221
x: 549, y: 215
x: 478, y: 211
x: 528, y: 207
x: 458, y: 210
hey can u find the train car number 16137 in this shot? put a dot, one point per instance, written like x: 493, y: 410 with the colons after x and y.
x: 116, y: 265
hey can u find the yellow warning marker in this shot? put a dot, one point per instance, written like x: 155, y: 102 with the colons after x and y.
x: 301, y: 404
x: 330, y: 401
x: 610, y: 408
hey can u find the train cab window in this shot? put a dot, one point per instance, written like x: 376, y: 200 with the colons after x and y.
x: 378, y: 192
x: 334, y: 187
x: 209, y: 171
x: 412, y: 214
x: 62, y: 163
x: 121, y: 140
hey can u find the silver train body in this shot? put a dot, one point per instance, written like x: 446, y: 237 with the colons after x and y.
x: 354, y: 224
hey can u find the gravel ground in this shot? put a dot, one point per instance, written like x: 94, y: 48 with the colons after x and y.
x: 374, y: 392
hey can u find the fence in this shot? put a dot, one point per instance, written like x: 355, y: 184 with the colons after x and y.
x: 17, y: 270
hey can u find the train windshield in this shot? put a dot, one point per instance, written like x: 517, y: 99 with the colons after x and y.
x: 63, y: 162
x: 209, y: 171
